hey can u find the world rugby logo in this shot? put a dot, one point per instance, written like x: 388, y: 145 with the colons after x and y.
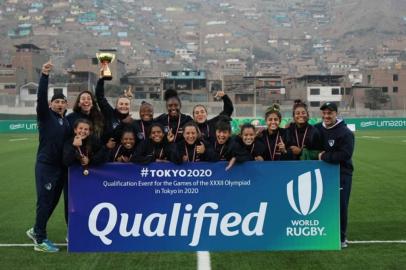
x: 304, y: 193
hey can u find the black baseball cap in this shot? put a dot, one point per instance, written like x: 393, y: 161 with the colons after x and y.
x: 329, y: 106
x: 58, y: 96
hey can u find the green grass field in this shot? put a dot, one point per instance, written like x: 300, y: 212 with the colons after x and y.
x: 377, y: 212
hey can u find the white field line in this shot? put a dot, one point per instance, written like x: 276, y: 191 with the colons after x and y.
x: 371, y: 137
x: 378, y: 242
x: 19, y: 139
x: 203, y: 260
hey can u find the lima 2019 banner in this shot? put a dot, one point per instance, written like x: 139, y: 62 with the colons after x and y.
x: 200, y: 206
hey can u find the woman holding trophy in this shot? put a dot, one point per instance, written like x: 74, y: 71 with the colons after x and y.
x: 113, y: 116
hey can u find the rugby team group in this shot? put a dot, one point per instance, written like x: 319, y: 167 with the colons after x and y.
x: 97, y: 132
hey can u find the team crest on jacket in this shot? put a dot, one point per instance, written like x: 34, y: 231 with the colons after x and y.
x: 331, y: 143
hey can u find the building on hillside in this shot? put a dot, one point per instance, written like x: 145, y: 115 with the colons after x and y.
x: 91, y: 64
x: 29, y: 59
x: 80, y: 81
x: 10, y: 79
x: 234, y: 67
x: 316, y: 89
x: 249, y: 91
x: 144, y: 86
x: 190, y: 84
x: 269, y: 89
x: 382, y: 89
x: 28, y: 93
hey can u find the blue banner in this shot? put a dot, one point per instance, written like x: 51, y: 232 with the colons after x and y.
x: 199, y: 206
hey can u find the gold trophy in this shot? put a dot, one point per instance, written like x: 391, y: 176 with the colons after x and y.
x: 105, y: 58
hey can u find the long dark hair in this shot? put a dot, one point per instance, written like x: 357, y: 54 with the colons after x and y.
x: 95, y: 115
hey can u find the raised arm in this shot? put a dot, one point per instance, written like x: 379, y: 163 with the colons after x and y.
x: 104, y: 105
x: 228, y: 107
x: 42, y: 93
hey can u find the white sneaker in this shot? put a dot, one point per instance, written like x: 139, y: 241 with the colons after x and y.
x: 31, y: 234
x: 344, y: 244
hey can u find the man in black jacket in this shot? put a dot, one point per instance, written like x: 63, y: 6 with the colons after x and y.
x: 338, y: 147
x: 50, y: 174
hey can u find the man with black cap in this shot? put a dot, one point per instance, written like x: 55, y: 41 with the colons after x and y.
x: 50, y: 174
x: 338, y: 146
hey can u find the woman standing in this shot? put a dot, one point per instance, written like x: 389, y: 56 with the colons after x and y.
x: 208, y: 127
x: 174, y: 120
x: 303, y: 139
x: 274, y: 138
x: 86, y: 108
x: 142, y: 126
x: 113, y: 117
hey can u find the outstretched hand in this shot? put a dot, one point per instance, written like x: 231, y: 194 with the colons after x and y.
x: 231, y: 163
x: 128, y: 92
x: 77, y: 141
x: 170, y: 136
x: 220, y: 94
x: 200, y: 149
x: 281, y: 146
x: 46, y: 68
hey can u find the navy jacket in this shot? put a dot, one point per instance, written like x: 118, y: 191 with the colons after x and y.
x: 272, y: 151
x: 120, y: 150
x: 295, y: 136
x: 148, y: 151
x: 208, y: 128
x: 184, y: 149
x: 225, y: 151
x: 338, y: 144
x: 53, y: 128
x: 141, y: 129
x: 111, y: 116
x: 91, y: 147
x: 244, y: 152
x: 173, y: 124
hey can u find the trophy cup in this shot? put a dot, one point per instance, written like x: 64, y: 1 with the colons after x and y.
x: 105, y: 58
